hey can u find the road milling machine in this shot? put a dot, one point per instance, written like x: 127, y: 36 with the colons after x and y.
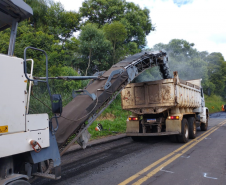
x: 32, y: 144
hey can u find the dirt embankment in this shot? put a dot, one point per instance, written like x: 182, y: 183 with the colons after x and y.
x: 107, y: 116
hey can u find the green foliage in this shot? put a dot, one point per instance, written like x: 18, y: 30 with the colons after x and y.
x: 119, y: 29
x: 103, y: 11
x: 138, y: 24
x: 136, y: 20
x: 49, y: 29
x: 214, y: 101
x: 111, y: 127
x: 40, y: 8
x: 40, y: 93
x: 93, y: 45
x: 131, y: 48
x: 217, y: 73
x: 62, y: 24
x: 116, y: 33
x: 4, y: 41
x: 60, y: 85
x: 51, y: 18
x: 91, y: 37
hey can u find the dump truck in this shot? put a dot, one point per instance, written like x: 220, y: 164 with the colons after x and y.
x: 165, y: 107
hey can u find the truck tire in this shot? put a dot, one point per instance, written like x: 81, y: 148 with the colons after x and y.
x: 204, y: 126
x: 183, y: 137
x: 19, y: 182
x: 192, y: 127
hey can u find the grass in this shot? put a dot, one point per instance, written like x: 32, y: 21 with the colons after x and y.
x: 113, y: 120
x: 214, y: 103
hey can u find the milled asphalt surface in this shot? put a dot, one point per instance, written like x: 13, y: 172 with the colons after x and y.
x: 114, y: 161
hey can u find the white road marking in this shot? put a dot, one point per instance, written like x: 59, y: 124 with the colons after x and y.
x: 205, y: 175
x: 165, y: 170
x: 185, y: 157
x: 207, y: 138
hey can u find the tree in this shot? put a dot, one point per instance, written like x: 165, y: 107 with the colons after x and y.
x: 177, y: 48
x: 52, y: 18
x: 217, y: 72
x: 185, y: 59
x: 103, y: 11
x: 192, y: 64
x: 136, y: 20
x: 92, y: 41
x: 62, y: 24
x: 55, y: 37
x: 39, y: 8
x: 116, y: 33
x: 4, y: 41
x: 137, y: 23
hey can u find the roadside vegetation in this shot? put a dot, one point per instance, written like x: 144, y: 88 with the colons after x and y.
x: 113, y: 120
x: 214, y: 103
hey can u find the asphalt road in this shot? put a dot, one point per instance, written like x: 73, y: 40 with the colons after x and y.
x: 157, y: 161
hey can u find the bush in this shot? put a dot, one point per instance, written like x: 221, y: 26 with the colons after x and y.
x: 214, y: 101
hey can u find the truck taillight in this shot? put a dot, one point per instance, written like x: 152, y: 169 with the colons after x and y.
x: 133, y: 118
x: 173, y: 117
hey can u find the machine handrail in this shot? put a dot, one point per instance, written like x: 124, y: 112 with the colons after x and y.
x: 25, y: 64
x: 35, y: 81
x: 29, y: 90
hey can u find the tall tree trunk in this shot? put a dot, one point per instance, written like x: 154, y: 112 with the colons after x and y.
x: 90, y: 52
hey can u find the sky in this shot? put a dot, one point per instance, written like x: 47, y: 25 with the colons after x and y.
x: 202, y: 22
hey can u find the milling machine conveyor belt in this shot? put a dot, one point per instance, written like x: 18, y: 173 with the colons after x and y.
x: 84, y: 107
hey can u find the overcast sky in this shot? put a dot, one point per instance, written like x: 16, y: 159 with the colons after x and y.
x: 202, y: 22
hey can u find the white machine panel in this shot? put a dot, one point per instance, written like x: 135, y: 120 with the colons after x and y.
x: 16, y: 143
x: 12, y: 99
x: 37, y: 122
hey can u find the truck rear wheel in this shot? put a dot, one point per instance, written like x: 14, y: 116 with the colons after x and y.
x: 183, y: 137
x: 192, y: 127
x: 204, y: 126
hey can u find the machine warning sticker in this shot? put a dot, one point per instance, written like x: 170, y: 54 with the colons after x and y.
x: 3, y: 129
